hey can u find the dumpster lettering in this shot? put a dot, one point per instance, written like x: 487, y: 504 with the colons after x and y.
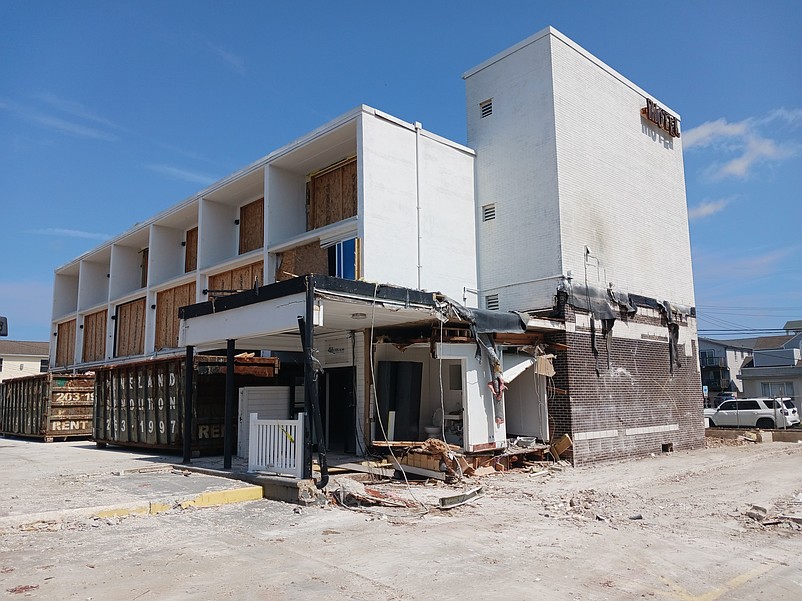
x: 210, y: 431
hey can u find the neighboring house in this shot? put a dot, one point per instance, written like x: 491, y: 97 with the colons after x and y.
x: 569, y: 207
x: 793, y: 326
x: 775, y: 369
x: 21, y: 358
x: 721, y: 361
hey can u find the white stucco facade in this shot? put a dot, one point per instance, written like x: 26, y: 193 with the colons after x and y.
x: 582, y: 184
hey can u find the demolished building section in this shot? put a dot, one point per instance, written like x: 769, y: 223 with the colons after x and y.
x: 533, y: 287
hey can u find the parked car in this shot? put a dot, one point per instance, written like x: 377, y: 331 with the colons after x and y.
x: 754, y: 413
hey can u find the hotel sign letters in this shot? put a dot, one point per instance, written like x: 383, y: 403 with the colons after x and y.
x: 661, y: 118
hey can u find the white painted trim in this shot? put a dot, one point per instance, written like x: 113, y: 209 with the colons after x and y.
x: 651, y: 429
x: 595, y: 434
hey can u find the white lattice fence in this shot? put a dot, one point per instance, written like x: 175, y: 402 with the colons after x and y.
x: 276, y: 445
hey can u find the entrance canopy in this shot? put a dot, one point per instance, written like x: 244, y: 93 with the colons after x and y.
x: 266, y: 318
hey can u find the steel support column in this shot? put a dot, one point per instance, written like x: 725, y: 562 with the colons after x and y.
x: 189, y: 385
x: 228, y: 426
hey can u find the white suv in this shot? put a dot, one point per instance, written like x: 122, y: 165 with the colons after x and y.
x: 754, y: 413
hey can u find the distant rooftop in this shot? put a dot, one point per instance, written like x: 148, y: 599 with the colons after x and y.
x: 793, y: 326
x: 24, y: 348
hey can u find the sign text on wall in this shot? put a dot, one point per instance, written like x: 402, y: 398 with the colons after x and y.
x: 661, y: 118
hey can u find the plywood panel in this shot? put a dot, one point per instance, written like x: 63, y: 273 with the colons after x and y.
x: 167, y: 305
x: 303, y: 260
x: 252, y: 226
x: 65, y: 344
x: 332, y: 196
x: 130, y: 325
x: 95, y: 336
x: 144, y: 267
x: 241, y: 278
x: 191, y: 250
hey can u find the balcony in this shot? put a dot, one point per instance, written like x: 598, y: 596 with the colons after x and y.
x: 707, y: 361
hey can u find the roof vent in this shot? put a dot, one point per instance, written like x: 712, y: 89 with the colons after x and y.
x: 486, y: 108
x: 488, y: 212
x: 491, y: 302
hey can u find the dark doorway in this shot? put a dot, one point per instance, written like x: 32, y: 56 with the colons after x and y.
x: 338, y: 409
x: 399, y: 394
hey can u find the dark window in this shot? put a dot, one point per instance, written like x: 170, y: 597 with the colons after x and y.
x: 43, y: 365
x: 748, y: 405
x: 1, y: 364
x: 727, y: 406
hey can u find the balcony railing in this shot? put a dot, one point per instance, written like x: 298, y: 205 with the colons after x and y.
x: 713, y: 361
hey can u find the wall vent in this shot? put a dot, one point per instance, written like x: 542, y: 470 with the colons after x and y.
x: 486, y: 108
x: 488, y: 212
x: 491, y: 302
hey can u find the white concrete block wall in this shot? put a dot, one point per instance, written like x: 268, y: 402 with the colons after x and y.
x: 516, y: 171
x: 569, y: 163
x: 621, y: 183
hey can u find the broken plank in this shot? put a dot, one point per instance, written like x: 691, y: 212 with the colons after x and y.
x: 419, y: 471
x: 462, y: 498
x: 386, y: 472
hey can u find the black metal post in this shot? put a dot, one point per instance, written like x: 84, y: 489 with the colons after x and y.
x: 311, y: 396
x: 189, y: 374
x: 228, y: 427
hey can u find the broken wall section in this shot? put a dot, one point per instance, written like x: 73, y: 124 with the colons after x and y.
x: 635, y: 406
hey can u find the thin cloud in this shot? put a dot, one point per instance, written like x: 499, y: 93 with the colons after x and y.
x: 757, y: 150
x: 708, y: 208
x: 234, y: 61
x: 75, y: 109
x: 182, y: 174
x: 752, y: 141
x: 712, y: 131
x: 58, y: 124
x: 68, y: 233
x: 766, y: 262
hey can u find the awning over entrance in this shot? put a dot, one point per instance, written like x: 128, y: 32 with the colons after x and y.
x: 267, y: 317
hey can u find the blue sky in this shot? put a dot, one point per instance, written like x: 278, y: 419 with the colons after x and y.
x: 111, y: 112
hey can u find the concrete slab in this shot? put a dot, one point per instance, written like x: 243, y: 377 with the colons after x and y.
x: 45, y: 482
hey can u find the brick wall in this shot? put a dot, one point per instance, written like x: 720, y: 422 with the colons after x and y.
x: 634, y: 406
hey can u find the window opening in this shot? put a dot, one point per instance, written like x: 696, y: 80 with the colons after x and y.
x: 342, y: 259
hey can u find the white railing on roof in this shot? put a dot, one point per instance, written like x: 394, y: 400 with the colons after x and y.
x: 276, y: 446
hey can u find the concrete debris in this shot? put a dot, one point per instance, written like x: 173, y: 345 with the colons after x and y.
x: 756, y: 512
x: 350, y: 493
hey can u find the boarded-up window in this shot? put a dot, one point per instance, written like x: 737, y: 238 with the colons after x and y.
x: 302, y: 260
x: 65, y: 344
x: 130, y: 328
x: 167, y: 304
x: 95, y: 336
x: 241, y: 278
x: 144, y: 268
x: 191, y: 250
x: 332, y: 195
x: 252, y: 226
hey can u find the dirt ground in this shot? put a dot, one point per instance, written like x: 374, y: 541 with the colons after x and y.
x: 718, y: 523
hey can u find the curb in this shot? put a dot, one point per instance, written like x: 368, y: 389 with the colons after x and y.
x: 206, y: 499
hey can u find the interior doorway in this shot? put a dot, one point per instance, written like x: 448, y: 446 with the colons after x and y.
x: 338, y: 409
